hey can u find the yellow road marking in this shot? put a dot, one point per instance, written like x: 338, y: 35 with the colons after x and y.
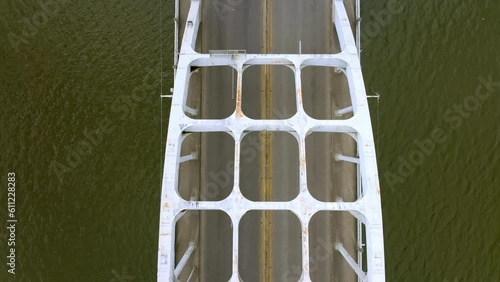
x: 266, y: 148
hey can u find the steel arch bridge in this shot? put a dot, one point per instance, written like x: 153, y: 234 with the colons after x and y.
x: 367, y: 207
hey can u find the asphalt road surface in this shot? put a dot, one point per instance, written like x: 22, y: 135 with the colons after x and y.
x: 270, y: 242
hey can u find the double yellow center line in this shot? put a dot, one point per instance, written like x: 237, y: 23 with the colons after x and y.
x: 266, y: 147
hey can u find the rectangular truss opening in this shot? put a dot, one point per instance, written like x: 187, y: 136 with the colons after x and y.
x: 332, y: 167
x: 337, y: 249
x: 205, y: 174
x: 211, y: 92
x: 264, y: 253
x: 269, y: 166
x: 269, y: 92
x: 202, y: 252
x: 326, y: 93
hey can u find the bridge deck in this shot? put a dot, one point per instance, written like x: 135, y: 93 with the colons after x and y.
x: 275, y: 98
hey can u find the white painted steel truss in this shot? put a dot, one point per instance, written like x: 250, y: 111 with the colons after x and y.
x: 367, y: 208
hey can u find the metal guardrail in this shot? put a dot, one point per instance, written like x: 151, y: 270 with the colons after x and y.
x: 218, y: 53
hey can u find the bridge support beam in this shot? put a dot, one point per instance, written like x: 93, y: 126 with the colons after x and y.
x: 344, y: 111
x: 341, y: 157
x: 351, y: 262
x: 180, y: 266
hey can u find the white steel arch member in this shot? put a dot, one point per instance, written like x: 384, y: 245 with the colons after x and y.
x: 367, y: 208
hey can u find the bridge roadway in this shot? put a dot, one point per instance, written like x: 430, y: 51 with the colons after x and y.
x: 270, y: 243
